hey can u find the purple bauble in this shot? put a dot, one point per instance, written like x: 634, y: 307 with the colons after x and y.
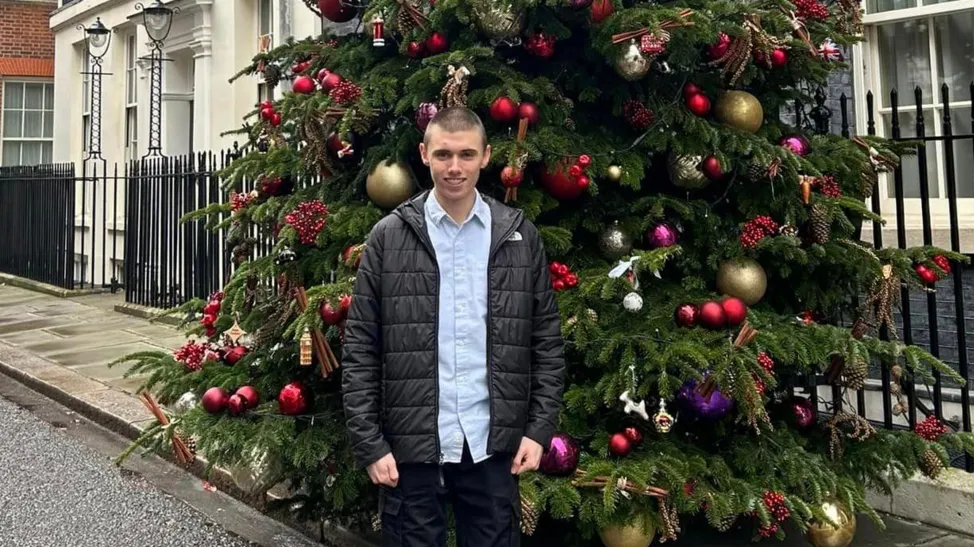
x: 424, y: 114
x: 714, y: 407
x: 797, y: 144
x: 661, y: 235
x: 804, y: 412
x: 561, y: 458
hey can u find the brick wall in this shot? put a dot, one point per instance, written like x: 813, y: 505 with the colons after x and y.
x: 25, y: 29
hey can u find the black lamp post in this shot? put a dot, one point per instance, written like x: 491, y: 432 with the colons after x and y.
x: 97, y: 39
x: 157, y: 19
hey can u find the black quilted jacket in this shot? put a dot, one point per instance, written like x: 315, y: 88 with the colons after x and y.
x: 389, y: 376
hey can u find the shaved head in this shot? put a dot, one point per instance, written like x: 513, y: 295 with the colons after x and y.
x: 455, y: 119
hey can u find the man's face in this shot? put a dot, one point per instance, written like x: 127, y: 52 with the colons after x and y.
x: 455, y: 160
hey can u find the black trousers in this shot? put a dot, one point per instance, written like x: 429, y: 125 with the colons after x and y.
x: 484, y: 496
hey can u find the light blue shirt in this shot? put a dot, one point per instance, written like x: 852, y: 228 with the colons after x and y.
x: 461, y: 254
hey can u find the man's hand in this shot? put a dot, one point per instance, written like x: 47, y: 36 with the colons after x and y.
x: 528, y: 456
x: 383, y: 471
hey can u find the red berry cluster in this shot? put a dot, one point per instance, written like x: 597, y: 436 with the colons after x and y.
x: 577, y: 171
x: 240, y: 201
x: 769, y: 530
x: 563, y: 276
x: 943, y: 263
x: 930, y: 428
x: 540, y: 45
x: 757, y: 229
x: 345, y: 93
x: 775, y: 503
x: 828, y: 186
x: 191, y: 355
x: 811, y: 9
x: 767, y: 364
x: 269, y: 115
x: 308, y: 219
x: 210, y: 312
x: 638, y: 114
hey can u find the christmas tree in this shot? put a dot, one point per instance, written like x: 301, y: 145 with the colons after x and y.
x: 705, y: 255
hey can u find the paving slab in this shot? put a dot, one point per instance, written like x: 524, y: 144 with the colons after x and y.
x: 34, y: 324
x: 29, y: 337
x: 10, y: 297
x: 68, y: 380
x: 103, y: 339
x: 95, y: 356
x: 111, y: 324
x: 121, y: 405
x: 153, y: 331
x: 101, y: 372
x: 128, y: 385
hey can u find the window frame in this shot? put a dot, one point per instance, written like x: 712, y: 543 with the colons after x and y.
x: 85, y: 99
x: 131, y: 97
x: 46, y: 83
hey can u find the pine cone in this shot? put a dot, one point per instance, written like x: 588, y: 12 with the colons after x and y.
x: 404, y: 22
x: 190, y: 442
x: 272, y: 75
x: 930, y: 464
x: 757, y: 171
x: 821, y: 221
x: 855, y: 373
x: 529, y: 516
x: 726, y: 523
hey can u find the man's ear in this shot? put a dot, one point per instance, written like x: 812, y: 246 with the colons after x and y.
x: 486, y: 160
x: 423, y: 153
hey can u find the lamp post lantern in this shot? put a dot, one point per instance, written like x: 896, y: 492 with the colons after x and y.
x: 97, y: 39
x: 157, y: 18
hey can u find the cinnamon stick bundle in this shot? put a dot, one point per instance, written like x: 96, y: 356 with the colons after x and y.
x: 744, y: 337
x: 326, y: 357
x: 183, y: 453
x: 622, y: 484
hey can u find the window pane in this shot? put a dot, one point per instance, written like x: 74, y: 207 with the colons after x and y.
x: 49, y: 96
x: 48, y: 125
x: 31, y: 153
x: 876, y: 6
x: 84, y: 97
x: 13, y: 95
x: 84, y: 129
x: 904, y: 59
x: 11, y: 153
x: 34, y: 96
x: 47, y: 152
x: 955, y: 52
x: 911, y: 164
x: 33, y: 124
x: 960, y: 120
x: 264, y: 9
x: 12, y: 124
x: 131, y: 92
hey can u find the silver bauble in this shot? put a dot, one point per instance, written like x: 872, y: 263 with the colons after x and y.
x: 498, y: 21
x: 631, y: 63
x: 258, y: 474
x: 186, y: 402
x: 685, y: 171
x: 614, y: 243
x: 632, y: 302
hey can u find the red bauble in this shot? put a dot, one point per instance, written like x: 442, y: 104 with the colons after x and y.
x: 583, y: 182
x: 601, y: 9
x: 559, y: 184
x: 303, y: 85
x: 266, y: 113
x: 329, y: 80
x: 734, y: 309
x: 208, y: 320
x: 250, y: 396
x: 927, y: 275
x: 571, y: 280
x: 540, y: 45
x: 711, y: 168
x: 575, y: 170
x: 300, y: 67
x: 234, y: 354
x: 634, y: 435
x: 686, y: 315
x: 329, y: 314
x: 691, y: 89
x: 529, y: 111
x: 779, y: 58
x: 941, y: 261
x: 415, y: 49
x: 584, y: 161
x: 712, y: 315
x: 803, y: 411
x: 718, y: 50
x: 344, y: 304
x: 275, y: 119
x: 503, y: 110
x: 619, y: 445
x: 236, y: 404
x: 436, y: 43
x: 558, y: 285
x: 699, y: 104
x: 336, y: 11
x: 214, y: 400
x: 511, y: 177
x: 294, y: 399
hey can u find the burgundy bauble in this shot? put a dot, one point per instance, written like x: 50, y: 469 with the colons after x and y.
x: 540, y: 45
x: 234, y: 354
x: 250, y: 395
x: 619, y: 445
x: 529, y: 111
x: 436, y: 43
x: 686, y: 315
x: 236, y: 404
x: 294, y: 399
x: 634, y: 435
x: 927, y: 275
x: 276, y: 186
x: 344, y: 304
x: 711, y: 168
x: 699, y: 104
x: 690, y: 89
x: 803, y: 411
x: 211, y: 308
x: 208, y: 320
x: 424, y: 114
x: 797, y: 144
x: 415, y: 49
x: 559, y: 184
x: 662, y: 235
x: 511, y: 177
x: 303, y: 85
x: 734, y: 309
x: 779, y: 58
x: 336, y: 144
x: 561, y: 458
x: 214, y: 400
x: 602, y: 9
x: 337, y: 11
x: 716, y: 51
x: 712, y: 315
x: 503, y: 110
x: 328, y: 80
x: 329, y: 314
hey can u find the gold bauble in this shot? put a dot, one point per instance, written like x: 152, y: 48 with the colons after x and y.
x: 739, y: 109
x: 743, y: 278
x: 632, y: 535
x: 389, y: 184
x: 614, y: 173
x: 685, y: 172
x: 631, y: 63
x: 498, y: 22
x: 825, y: 534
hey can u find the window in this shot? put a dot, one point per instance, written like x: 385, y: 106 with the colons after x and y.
x: 85, y: 98
x: 28, y: 123
x: 131, y: 100
x: 265, y: 21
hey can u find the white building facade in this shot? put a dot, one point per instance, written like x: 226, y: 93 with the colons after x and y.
x: 210, y: 42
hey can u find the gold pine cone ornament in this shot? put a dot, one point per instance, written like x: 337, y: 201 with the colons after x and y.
x: 639, y: 533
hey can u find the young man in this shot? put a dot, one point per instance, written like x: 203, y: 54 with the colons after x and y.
x: 453, y: 368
